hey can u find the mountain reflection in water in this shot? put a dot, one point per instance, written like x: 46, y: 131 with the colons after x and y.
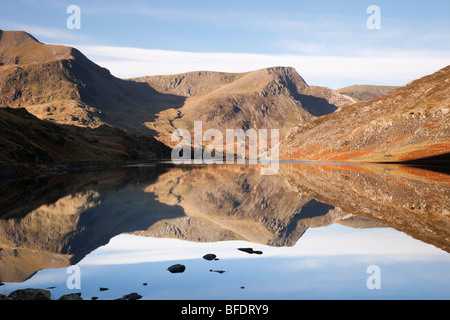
x: 49, y: 222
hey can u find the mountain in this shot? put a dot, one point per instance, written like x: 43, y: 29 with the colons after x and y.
x: 365, y: 92
x: 262, y: 99
x: 408, y: 123
x: 27, y: 140
x: 60, y: 84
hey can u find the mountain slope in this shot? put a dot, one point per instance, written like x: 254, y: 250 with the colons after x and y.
x: 60, y: 84
x: 409, y: 123
x: 25, y: 139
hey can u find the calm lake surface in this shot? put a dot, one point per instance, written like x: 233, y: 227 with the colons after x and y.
x: 326, y: 231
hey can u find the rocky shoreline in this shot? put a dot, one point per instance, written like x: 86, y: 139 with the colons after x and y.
x: 43, y: 294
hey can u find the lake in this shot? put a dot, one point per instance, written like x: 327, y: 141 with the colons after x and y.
x: 318, y: 231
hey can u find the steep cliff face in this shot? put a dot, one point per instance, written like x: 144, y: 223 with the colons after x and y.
x: 408, y: 123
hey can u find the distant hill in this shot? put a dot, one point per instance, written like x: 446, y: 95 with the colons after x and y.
x: 408, y: 123
x: 365, y: 92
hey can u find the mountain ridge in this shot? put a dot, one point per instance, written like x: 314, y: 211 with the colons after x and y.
x: 61, y: 85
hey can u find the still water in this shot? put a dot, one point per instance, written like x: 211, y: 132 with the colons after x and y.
x: 324, y: 231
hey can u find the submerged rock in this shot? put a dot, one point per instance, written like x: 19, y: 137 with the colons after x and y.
x: 177, y: 268
x: 131, y: 296
x: 71, y: 296
x: 209, y: 256
x: 250, y: 250
x: 218, y: 271
x: 30, y: 294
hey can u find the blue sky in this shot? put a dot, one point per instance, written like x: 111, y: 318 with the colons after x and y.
x: 328, y: 42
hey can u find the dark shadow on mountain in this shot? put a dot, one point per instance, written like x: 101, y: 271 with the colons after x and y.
x: 316, y: 106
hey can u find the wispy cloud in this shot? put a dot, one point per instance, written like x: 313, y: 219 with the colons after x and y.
x: 376, y: 67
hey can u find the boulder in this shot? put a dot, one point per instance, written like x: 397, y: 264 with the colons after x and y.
x: 71, y: 296
x: 131, y: 296
x: 30, y: 294
x: 209, y: 256
x: 177, y: 268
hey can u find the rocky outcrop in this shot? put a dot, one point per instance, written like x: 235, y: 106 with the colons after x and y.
x: 30, y: 294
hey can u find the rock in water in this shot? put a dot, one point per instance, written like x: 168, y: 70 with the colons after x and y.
x: 177, y: 268
x: 218, y: 271
x: 209, y: 256
x: 30, y: 294
x: 250, y: 250
x: 131, y: 296
x: 71, y: 296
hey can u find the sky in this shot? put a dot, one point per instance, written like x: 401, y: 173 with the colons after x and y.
x: 330, y: 43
